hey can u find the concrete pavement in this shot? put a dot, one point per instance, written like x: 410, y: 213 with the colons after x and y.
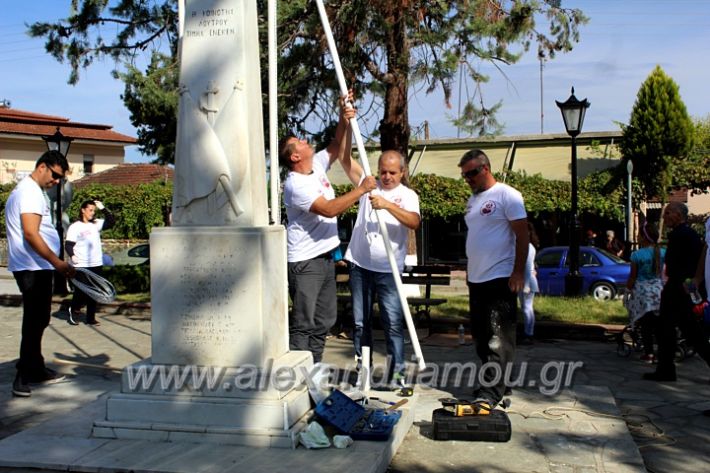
x: 605, y: 420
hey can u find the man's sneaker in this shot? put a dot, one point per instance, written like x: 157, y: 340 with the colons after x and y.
x: 48, y: 377
x: 398, y: 382
x: 648, y: 358
x: 20, y: 388
x: 71, y: 318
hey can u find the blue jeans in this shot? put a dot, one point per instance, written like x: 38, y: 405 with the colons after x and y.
x: 526, y: 304
x: 364, y: 284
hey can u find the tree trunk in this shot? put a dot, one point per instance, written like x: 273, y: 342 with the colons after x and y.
x: 394, y: 127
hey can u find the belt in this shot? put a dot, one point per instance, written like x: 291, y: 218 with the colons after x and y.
x: 327, y: 255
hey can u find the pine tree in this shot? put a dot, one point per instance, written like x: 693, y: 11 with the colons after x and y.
x: 659, y: 134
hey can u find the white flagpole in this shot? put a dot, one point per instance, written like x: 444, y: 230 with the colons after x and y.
x: 366, y: 167
x: 273, y: 118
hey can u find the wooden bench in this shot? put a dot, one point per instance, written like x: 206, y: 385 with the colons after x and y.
x: 426, y: 276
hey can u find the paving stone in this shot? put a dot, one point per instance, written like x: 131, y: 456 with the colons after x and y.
x: 577, y: 442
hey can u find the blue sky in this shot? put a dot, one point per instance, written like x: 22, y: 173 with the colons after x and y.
x: 622, y: 43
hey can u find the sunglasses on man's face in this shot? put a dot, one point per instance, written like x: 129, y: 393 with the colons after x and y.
x: 55, y: 175
x: 473, y: 172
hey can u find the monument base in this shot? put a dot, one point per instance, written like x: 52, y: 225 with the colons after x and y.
x: 259, y: 407
x: 219, y: 295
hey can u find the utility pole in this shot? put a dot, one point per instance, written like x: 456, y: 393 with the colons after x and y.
x: 541, y: 57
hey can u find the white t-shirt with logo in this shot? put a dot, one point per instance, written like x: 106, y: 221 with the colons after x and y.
x: 28, y: 198
x: 309, y: 234
x: 87, y: 247
x: 367, y: 247
x: 490, y: 242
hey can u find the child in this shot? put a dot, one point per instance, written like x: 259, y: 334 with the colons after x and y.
x: 645, y: 284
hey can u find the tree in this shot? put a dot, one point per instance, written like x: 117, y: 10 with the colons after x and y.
x: 386, y: 47
x: 693, y: 172
x: 152, y: 100
x: 659, y: 135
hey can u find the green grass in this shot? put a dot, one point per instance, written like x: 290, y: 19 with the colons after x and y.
x: 558, y: 309
x: 133, y: 297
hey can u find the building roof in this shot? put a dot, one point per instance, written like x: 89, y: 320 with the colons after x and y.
x: 20, y: 122
x: 128, y: 174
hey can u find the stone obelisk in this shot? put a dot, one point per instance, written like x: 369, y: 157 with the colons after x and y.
x: 218, y: 275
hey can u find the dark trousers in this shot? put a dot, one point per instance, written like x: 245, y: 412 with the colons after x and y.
x: 647, y: 326
x: 311, y: 285
x: 36, y: 289
x: 492, y: 306
x: 676, y: 311
x: 80, y: 298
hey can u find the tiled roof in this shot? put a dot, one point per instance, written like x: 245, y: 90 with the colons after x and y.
x: 132, y: 174
x: 21, y: 122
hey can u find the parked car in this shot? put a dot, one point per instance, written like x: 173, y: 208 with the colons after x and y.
x: 139, y: 254
x: 604, y: 274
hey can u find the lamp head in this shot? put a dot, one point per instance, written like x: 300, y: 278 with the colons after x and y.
x: 573, y: 111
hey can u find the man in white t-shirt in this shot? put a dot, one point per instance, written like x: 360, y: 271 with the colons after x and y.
x: 312, y: 233
x: 496, y: 248
x: 702, y: 272
x: 371, y: 272
x: 33, y: 245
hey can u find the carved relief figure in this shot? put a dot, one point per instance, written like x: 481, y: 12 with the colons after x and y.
x: 207, y: 182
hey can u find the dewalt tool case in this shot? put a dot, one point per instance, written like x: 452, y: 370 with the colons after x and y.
x: 350, y: 418
x: 493, y: 427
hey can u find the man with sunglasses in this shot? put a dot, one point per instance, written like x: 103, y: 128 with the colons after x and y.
x: 33, y: 245
x: 497, y: 249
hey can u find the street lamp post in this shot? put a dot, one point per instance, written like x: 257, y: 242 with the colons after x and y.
x: 573, y: 112
x: 61, y: 143
x: 629, y: 212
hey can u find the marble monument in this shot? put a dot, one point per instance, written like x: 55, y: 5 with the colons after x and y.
x: 222, y: 370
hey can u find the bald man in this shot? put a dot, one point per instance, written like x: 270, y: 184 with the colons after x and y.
x: 371, y: 272
x: 684, y: 249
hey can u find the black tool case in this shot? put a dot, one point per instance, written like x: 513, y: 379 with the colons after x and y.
x: 354, y: 420
x: 494, y: 427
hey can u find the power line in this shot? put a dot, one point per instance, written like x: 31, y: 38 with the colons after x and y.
x: 23, y: 58
x: 19, y: 50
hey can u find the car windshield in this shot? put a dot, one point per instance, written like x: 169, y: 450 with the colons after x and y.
x: 612, y: 257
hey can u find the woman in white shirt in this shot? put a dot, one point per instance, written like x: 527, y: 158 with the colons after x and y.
x: 527, y: 295
x: 83, y: 245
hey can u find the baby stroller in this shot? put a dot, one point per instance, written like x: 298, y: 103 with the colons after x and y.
x: 630, y: 340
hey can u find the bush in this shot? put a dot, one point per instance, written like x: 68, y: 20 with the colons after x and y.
x: 129, y: 279
x: 137, y: 209
x: 5, y: 190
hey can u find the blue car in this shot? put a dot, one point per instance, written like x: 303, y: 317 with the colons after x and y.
x: 604, y: 274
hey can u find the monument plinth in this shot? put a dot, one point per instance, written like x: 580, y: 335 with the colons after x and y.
x: 220, y: 366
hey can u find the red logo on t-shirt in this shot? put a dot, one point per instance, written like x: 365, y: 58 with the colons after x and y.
x: 324, y: 181
x: 488, y: 207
